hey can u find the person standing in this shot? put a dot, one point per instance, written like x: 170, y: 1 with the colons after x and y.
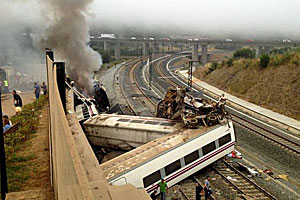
x: 36, y: 90
x: 163, y: 188
x: 5, y: 88
x: 17, y: 99
x: 207, y: 189
x: 44, y: 87
x: 199, y: 188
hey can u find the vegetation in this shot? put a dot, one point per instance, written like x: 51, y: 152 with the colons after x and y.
x: 17, y: 169
x: 244, y: 53
x: 264, y: 60
x: 212, y: 67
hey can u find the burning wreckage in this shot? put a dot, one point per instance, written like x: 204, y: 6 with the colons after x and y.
x: 194, y: 112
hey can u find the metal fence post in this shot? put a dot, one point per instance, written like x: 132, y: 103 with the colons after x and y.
x: 61, y: 77
x: 4, y: 188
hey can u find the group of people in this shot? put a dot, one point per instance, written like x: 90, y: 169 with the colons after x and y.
x: 163, y: 186
x: 37, y: 89
x: 19, y: 103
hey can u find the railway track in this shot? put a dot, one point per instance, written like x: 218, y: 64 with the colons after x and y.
x: 132, y: 92
x: 187, y: 188
x: 241, y: 183
x: 274, y: 137
x: 284, y: 142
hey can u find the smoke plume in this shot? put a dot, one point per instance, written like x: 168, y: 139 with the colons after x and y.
x: 68, y: 35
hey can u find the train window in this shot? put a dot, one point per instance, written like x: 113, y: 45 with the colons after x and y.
x: 209, y: 148
x: 191, y: 157
x: 123, y: 120
x: 167, y: 124
x: 174, y: 166
x: 225, y: 139
x: 152, y: 122
x: 152, y: 178
x: 137, y: 121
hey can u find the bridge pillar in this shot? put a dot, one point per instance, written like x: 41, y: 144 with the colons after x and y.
x: 105, y: 45
x: 117, y: 51
x: 156, y: 48
x: 259, y: 51
x: 195, y: 52
x: 146, y: 49
x: 204, y: 54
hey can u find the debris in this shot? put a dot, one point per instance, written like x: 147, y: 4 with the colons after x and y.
x: 230, y: 178
x: 194, y: 112
x: 235, y: 154
x: 270, y: 173
x: 252, y: 171
x: 282, y: 176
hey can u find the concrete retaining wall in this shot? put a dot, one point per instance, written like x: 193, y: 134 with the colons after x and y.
x: 75, y: 171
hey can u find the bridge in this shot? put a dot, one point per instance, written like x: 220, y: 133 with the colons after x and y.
x: 195, y: 43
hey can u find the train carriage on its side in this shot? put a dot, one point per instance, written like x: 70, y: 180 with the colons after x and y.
x: 173, y: 157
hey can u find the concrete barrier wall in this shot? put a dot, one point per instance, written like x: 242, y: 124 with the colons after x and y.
x: 68, y: 181
x: 75, y: 171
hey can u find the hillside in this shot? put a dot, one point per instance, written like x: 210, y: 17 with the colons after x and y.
x: 276, y: 87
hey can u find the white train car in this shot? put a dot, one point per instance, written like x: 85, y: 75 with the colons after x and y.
x: 173, y: 157
x: 127, y: 132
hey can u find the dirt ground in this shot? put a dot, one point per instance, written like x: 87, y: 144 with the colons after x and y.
x: 38, y: 185
x: 8, y: 107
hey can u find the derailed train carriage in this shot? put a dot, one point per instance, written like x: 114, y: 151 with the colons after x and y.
x: 206, y: 135
x: 173, y: 157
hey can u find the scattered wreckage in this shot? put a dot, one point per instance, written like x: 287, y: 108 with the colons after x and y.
x: 194, y: 112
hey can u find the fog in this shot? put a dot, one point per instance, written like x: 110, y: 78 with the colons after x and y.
x: 16, y: 41
x: 65, y: 25
x: 230, y: 18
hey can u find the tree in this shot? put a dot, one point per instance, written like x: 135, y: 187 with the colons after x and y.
x: 106, y: 58
x: 244, y: 53
x: 264, y: 60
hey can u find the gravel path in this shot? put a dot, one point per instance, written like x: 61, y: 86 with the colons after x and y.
x: 274, y: 156
x: 8, y: 107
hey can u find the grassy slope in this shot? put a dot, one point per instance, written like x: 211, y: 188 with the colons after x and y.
x: 276, y: 87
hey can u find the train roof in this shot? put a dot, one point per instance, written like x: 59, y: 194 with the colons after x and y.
x: 134, y: 122
x: 150, y: 150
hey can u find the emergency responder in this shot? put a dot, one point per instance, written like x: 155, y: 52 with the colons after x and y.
x: 5, y: 83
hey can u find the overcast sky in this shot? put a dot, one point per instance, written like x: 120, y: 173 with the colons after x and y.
x: 249, y: 17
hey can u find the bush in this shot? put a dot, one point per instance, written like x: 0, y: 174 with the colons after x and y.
x: 244, y: 53
x: 106, y: 57
x: 229, y: 62
x: 264, y: 60
x: 212, y: 67
x: 29, y: 121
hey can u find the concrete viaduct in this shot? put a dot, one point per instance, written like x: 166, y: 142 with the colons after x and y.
x: 259, y: 45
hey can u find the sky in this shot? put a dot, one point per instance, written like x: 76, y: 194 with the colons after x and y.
x: 230, y: 17
x: 66, y: 24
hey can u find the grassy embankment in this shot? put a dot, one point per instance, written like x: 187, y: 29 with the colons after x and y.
x: 276, y: 87
x: 18, y: 162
